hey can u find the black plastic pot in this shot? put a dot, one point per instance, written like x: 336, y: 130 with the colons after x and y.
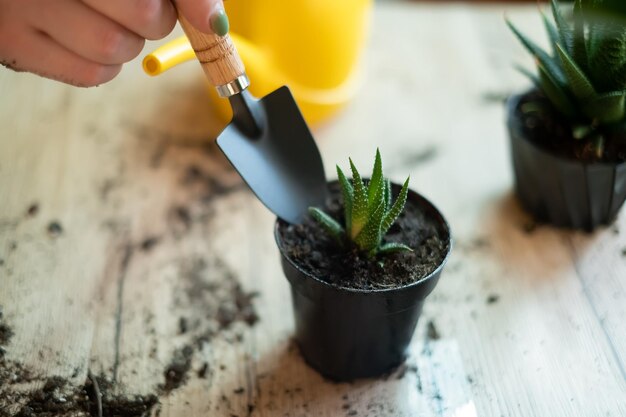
x: 560, y: 191
x: 346, y: 333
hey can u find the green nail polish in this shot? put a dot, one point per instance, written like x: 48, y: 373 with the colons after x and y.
x: 219, y: 22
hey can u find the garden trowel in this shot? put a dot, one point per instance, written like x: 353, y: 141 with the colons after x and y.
x: 267, y: 141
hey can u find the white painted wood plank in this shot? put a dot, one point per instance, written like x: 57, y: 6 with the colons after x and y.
x: 109, y: 165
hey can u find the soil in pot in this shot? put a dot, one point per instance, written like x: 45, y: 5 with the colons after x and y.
x: 313, y: 250
x: 552, y: 131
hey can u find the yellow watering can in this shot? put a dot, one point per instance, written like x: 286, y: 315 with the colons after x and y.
x: 313, y: 46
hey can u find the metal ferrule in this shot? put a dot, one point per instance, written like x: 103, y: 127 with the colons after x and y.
x: 236, y: 86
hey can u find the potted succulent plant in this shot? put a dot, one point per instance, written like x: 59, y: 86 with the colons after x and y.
x: 360, y: 269
x: 568, y: 135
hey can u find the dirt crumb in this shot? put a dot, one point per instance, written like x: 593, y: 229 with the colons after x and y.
x: 149, y: 243
x: 55, y: 229
x: 176, y: 373
x: 493, y: 298
x: 202, y: 372
x: 182, y: 325
x: 432, y: 333
x: 58, y: 398
x: 6, y: 333
x: 33, y: 209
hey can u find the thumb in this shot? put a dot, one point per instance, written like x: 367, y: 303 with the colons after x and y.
x: 207, y: 16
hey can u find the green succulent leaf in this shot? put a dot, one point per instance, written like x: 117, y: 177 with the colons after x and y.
x: 607, y: 55
x: 348, y: 196
x: 579, y: 45
x: 359, y: 204
x: 370, y: 236
x: 585, y: 79
x: 556, y: 93
x: 393, y: 247
x: 387, y: 195
x: 550, y: 64
x: 553, y: 33
x: 565, y: 31
x: 375, y: 186
x: 606, y: 108
x: 396, y: 209
x: 577, y: 80
x: 329, y: 224
x: 368, y: 211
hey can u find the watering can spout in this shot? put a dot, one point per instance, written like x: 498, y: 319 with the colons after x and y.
x: 180, y: 50
x: 168, y: 56
x: 313, y: 47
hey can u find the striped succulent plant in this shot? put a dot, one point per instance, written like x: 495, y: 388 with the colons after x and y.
x: 368, y: 211
x: 585, y: 75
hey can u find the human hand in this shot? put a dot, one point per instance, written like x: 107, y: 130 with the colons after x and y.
x: 85, y: 42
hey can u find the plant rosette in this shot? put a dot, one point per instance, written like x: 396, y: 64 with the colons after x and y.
x: 568, y: 135
x: 562, y: 191
x: 356, y: 310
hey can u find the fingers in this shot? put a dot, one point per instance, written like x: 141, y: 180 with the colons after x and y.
x: 205, y: 15
x: 150, y: 19
x: 36, y: 52
x: 86, y: 32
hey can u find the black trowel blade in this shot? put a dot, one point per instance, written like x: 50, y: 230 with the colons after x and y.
x: 282, y: 165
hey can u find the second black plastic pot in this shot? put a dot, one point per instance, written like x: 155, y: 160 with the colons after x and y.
x: 346, y: 333
x: 560, y: 191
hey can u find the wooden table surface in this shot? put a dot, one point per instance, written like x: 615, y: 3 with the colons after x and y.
x: 124, y: 238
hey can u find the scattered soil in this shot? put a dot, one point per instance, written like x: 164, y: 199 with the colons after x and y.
x: 210, y: 301
x: 208, y: 287
x: 176, y: 372
x: 211, y: 288
x: 58, y: 396
x: 343, y: 265
x: 5, y: 335
x: 208, y: 185
x: 551, y: 131
x: 94, y: 398
x: 623, y: 254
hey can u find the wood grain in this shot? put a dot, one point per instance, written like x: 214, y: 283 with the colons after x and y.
x: 217, y: 54
x: 528, y: 319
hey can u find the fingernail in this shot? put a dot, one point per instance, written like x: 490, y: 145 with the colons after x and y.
x: 219, y: 22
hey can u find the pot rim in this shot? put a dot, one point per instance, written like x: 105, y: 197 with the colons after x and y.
x: 423, y: 201
x: 514, y: 123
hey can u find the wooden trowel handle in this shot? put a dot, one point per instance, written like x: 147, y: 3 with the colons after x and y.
x: 219, y: 59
